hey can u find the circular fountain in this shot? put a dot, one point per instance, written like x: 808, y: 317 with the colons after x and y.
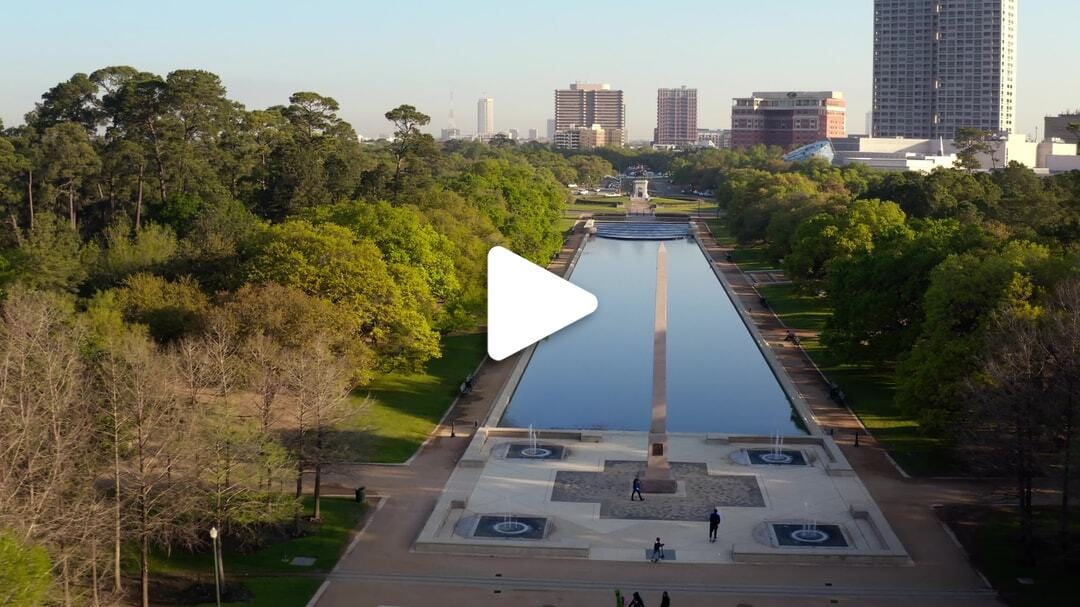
x: 536, y: 452
x: 511, y: 527
x: 809, y: 535
x: 776, y: 458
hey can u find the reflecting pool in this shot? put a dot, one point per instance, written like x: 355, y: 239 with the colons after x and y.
x: 597, y: 373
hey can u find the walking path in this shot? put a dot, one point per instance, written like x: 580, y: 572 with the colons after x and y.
x: 380, y: 569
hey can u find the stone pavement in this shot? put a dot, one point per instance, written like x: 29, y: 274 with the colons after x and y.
x: 699, y: 492
x: 380, y: 569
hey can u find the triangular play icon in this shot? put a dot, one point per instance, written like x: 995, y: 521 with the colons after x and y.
x: 526, y: 303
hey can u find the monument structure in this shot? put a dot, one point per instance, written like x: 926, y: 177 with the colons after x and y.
x: 658, y: 475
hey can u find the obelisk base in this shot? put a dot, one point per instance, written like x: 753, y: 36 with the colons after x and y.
x: 658, y: 475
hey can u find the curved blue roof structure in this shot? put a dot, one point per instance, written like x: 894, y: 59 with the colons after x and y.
x: 820, y: 149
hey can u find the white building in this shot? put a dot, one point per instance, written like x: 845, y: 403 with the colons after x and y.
x: 485, y: 117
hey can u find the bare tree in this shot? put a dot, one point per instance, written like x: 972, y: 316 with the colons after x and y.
x: 1061, y: 338
x: 159, y: 426
x: 321, y: 382
x: 46, y: 451
x: 1006, y: 429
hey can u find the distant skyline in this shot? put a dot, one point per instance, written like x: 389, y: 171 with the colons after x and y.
x: 372, y: 56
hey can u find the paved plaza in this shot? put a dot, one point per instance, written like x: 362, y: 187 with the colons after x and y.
x: 698, y: 492
x: 585, y: 498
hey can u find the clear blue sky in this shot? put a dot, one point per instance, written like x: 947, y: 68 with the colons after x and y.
x: 372, y: 56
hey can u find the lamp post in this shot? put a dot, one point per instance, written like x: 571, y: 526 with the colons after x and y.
x: 217, y: 568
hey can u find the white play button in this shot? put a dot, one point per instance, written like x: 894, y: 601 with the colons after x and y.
x: 526, y: 303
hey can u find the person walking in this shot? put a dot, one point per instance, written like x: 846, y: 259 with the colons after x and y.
x: 714, y: 524
x: 665, y: 601
x: 657, y: 550
x: 637, y: 601
x: 636, y: 490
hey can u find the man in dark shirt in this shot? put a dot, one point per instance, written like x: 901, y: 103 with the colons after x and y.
x: 714, y: 524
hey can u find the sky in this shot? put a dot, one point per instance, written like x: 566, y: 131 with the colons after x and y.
x: 372, y: 56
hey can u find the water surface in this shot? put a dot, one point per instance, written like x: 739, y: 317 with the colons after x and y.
x: 597, y: 373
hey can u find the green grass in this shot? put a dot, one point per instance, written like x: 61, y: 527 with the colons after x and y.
x: 752, y: 258
x: 672, y: 205
x: 267, y: 572
x: 869, y: 389
x: 992, y: 539
x: 339, y: 517
x: 405, y: 407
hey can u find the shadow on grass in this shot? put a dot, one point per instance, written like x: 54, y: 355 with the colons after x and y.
x: 405, y: 407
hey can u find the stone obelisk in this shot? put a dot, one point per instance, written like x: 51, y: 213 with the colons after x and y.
x: 658, y: 476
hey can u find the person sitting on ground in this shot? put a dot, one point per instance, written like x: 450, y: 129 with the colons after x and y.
x: 665, y: 601
x: 637, y: 601
x: 657, y: 550
x: 790, y: 335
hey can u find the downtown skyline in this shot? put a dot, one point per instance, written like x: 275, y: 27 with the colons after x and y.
x: 370, y: 67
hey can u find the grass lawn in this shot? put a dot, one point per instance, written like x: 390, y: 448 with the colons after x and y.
x: 672, y: 205
x: 991, y: 537
x: 754, y: 257
x: 869, y: 390
x: 267, y: 572
x: 405, y: 407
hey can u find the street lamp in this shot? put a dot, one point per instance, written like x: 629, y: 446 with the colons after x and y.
x: 217, y: 566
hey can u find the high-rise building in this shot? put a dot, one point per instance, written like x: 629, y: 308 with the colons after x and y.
x: 676, y: 116
x: 940, y: 65
x: 788, y: 119
x: 584, y: 105
x: 534, y: 134
x: 485, y: 117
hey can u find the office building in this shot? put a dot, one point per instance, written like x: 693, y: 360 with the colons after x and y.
x: 485, y: 117
x: 676, y: 117
x: 788, y: 119
x: 450, y: 133
x: 942, y: 65
x: 1057, y: 127
x: 534, y: 134
x: 584, y: 138
x: 584, y: 105
x: 714, y: 138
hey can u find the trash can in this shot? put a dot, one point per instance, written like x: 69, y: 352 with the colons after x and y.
x: 360, y: 495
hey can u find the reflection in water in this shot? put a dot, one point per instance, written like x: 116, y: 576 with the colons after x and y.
x: 597, y: 374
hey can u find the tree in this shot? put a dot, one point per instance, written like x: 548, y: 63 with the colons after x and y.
x: 45, y: 430
x: 49, y: 257
x: 171, y: 310
x: 321, y: 383
x: 1006, y: 427
x: 408, y: 140
x: 26, y: 574
x: 68, y: 160
x: 964, y: 290
x: 157, y: 491
x: 331, y: 263
x: 12, y: 166
x: 970, y: 142
x: 1074, y: 129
